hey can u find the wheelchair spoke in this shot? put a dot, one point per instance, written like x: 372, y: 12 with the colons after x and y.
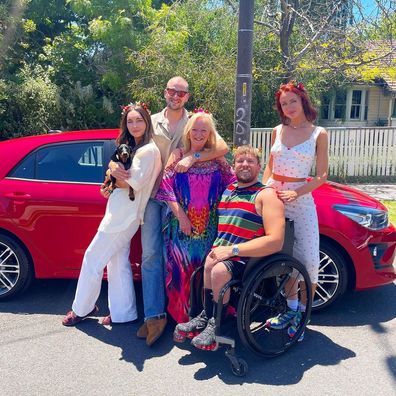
x: 264, y: 298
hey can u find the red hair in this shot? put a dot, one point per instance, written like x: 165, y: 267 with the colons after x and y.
x: 298, y: 89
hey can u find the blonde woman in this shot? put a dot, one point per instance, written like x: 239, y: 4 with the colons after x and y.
x: 192, y: 197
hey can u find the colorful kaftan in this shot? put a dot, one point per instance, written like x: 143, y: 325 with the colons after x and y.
x: 198, y: 192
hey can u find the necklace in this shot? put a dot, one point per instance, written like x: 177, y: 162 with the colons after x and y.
x: 299, y: 126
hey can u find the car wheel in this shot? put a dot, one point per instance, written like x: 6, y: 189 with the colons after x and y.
x: 16, y: 272
x: 333, y: 276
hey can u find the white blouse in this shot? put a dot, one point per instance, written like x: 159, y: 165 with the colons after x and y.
x: 120, y: 210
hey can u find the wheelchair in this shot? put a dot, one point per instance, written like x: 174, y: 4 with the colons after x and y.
x: 261, y: 294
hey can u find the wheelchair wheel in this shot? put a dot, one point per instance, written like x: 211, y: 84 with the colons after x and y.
x: 240, y: 369
x: 264, y: 296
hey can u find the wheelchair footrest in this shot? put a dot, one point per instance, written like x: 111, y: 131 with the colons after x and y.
x: 226, y: 341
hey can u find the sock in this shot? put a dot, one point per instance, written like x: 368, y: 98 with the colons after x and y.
x: 208, y: 302
x: 292, y: 304
x: 302, y: 307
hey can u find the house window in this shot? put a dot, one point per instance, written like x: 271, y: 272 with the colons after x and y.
x: 356, y: 105
x: 325, y: 106
x: 345, y: 104
x: 366, y: 105
x: 340, y: 104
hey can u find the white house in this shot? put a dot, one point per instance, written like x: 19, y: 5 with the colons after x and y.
x: 360, y: 105
x: 363, y: 105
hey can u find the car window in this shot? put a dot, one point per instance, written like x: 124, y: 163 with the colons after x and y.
x: 70, y: 162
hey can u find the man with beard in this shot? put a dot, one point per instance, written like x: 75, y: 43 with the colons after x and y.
x: 251, y: 224
x: 168, y: 128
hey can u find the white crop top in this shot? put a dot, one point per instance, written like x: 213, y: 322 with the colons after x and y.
x: 296, y: 161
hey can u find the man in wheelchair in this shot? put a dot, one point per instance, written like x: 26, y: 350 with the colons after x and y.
x: 251, y: 224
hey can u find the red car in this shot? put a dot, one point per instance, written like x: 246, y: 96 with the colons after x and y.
x: 50, y: 207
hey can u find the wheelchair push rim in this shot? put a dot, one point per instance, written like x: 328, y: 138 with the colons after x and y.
x: 263, y: 297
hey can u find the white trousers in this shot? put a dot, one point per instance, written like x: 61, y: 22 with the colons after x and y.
x: 111, y: 249
x: 306, y: 228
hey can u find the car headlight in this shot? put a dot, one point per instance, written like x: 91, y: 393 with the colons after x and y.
x: 373, y: 219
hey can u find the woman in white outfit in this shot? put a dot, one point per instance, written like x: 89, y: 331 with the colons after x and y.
x: 296, y: 144
x: 111, y: 244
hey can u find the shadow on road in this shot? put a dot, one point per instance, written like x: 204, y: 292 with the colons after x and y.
x: 123, y: 336
x: 286, y: 369
x: 374, y: 308
x: 55, y: 297
x: 369, y: 307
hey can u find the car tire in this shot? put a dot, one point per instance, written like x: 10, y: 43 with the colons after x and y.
x: 16, y: 272
x: 333, y: 276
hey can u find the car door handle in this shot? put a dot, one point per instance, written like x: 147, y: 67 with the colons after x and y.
x: 18, y: 195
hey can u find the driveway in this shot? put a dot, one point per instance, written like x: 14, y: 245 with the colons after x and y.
x: 348, y: 349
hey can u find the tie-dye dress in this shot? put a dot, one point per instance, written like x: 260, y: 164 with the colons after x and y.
x: 198, y: 192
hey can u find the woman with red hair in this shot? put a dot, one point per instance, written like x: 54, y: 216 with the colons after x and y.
x: 296, y: 145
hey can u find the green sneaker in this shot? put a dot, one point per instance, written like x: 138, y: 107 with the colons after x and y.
x: 292, y: 330
x: 281, y: 321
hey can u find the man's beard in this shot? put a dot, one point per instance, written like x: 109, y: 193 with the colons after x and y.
x: 245, y: 178
x: 174, y: 106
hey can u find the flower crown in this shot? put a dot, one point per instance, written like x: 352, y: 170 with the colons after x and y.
x: 298, y: 85
x: 294, y: 83
x: 198, y: 110
x: 125, y: 109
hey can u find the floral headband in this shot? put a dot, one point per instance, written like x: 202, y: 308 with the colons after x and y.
x: 143, y: 105
x: 299, y: 85
x: 198, y: 110
x: 296, y: 84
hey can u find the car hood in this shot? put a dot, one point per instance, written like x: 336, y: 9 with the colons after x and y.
x: 335, y: 193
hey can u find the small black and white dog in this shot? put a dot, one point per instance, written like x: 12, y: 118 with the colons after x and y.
x: 123, y: 155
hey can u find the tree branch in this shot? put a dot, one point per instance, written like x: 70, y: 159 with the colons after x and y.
x: 320, y: 31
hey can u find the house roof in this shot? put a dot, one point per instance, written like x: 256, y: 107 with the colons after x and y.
x: 386, y: 51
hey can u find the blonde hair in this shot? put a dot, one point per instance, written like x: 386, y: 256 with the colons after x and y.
x: 213, y: 132
x: 247, y: 149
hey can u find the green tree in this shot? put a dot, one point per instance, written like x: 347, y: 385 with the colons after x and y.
x: 29, y: 104
x: 81, y: 46
x: 196, y: 40
x: 83, y: 58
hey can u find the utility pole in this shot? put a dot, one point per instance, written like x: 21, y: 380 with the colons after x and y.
x: 243, y: 88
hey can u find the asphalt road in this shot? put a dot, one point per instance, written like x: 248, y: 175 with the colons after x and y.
x: 348, y: 349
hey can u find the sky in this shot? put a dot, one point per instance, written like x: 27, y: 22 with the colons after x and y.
x: 370, y: 6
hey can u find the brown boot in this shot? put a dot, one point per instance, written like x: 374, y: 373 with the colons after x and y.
x: 155, y: 328
x: 142, y: 332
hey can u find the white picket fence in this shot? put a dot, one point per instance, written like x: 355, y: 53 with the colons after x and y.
x: 352, y: 151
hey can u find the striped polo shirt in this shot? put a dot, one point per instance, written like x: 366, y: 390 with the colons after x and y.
x: 238, y: 220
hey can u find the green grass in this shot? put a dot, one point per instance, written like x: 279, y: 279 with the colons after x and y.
x: 391, y: 205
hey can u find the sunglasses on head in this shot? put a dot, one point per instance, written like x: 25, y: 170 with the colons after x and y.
x: 173, y: 92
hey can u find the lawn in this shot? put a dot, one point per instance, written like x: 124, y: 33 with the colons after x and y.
x: 391, y: 205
